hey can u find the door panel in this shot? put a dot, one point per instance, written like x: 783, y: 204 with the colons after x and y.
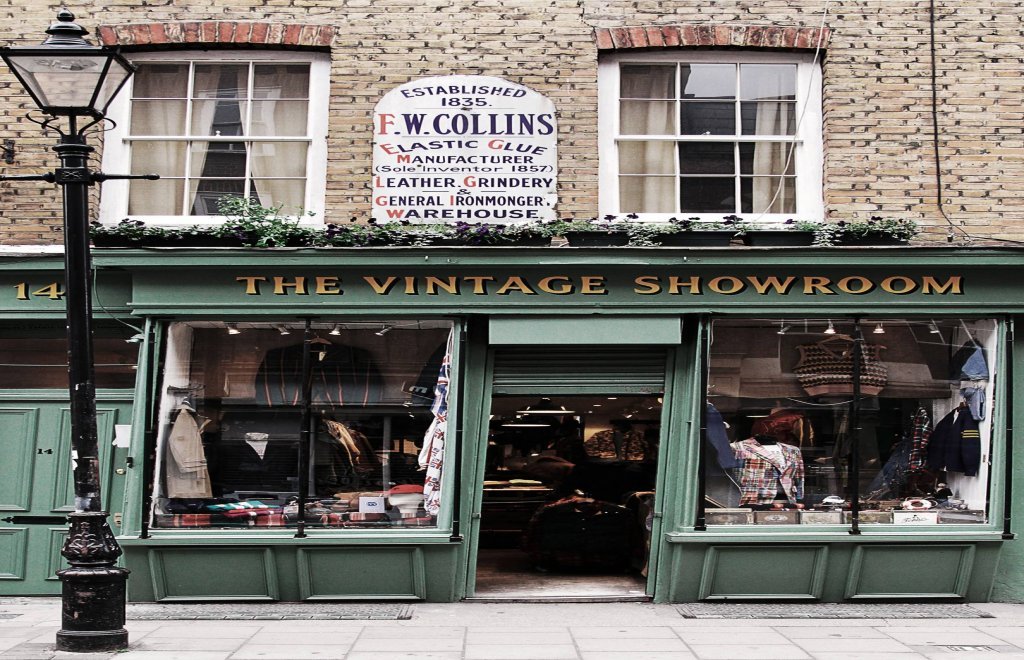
x: 36, y: 488
x: 17, y: 457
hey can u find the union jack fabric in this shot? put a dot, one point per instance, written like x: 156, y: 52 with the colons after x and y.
x: 765, y: 472
x: 431, y: 456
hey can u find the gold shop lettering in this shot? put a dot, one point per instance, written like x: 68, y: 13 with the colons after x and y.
x: 591, y: 285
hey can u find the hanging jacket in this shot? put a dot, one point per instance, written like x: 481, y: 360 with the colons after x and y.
x: 765, y: 472
x: 186, y: 472
x: 955, y: 444
x: 345, y: 376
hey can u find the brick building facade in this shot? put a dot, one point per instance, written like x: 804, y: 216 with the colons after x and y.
x: 879, y: 151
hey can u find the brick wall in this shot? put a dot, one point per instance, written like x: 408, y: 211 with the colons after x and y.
x: 877, y: 87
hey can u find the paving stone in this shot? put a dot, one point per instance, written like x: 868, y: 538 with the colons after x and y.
x: 830, y: 611
x: 748, y: 652
x: 283, y: 652
x: 630, y: 644
x: 613, y: 632
x: 540, y: 652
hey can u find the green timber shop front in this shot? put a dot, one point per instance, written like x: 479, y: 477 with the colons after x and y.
x: 445, y: 423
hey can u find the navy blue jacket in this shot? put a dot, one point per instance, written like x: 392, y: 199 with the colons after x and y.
x: 955, y: 444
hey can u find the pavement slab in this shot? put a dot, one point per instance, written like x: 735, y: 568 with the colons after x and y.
x: 534, y: 631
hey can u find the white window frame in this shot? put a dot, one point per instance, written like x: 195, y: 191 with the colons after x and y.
x: 117, y: 144
x: 807, y: 155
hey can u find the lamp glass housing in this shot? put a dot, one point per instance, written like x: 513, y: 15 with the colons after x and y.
x: 69, y: 81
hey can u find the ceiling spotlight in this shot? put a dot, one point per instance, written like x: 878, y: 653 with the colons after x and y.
x: 783, y: 328
x: 518, y: 422
x: 385, y: 329
x: 283, y: 329
x: 934, y: 329
x: 879, y: 330
x: 233, y: 328
x: 831, y: 329
x: 335, y: 330
x: 136, y: 338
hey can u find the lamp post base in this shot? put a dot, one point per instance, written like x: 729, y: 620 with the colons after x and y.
x: 93, y: 588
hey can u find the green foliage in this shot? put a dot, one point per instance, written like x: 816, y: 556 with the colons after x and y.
x: 258, y: 226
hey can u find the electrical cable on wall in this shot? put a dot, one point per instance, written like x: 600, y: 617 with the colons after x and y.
x: 953, y: 227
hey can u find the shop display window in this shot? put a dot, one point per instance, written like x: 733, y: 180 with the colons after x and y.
x: 827, y: 421
x: 247, y: 441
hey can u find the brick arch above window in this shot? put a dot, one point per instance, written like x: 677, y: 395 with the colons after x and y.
x: 198, y: 34
x: 710, y: 34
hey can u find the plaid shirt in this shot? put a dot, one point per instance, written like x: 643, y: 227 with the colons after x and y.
x: 764, y: 472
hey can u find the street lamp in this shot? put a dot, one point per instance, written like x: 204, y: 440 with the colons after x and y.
x: 68, y: 77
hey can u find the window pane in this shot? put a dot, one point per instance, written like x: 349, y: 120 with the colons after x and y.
x: 707, y: 194
x: 707, y: 118
x: 161, y: 197
x: 220, y: 81
x: 768, y: 194
x: 768, y: 117
x: 279, y: 117
x: 159, y: 157
x: 766, y: 157
x: 160, y: 81
x: 768, y: 82
x: 223, y: 118
x: 38, y: 358
x: 279, y: 159
x: 647, y: 118
x: 647, y: 194
x: 232, y: 457
x: 218, y: 159
x: 708, y: 81
x: 280, y: 81
x: 780, y: 440
x: 289, y: 194
x: 158, y: 118
x: 640, y: 81
x: 207, y: 193
x: 646, y: 157
x: 707, y: 158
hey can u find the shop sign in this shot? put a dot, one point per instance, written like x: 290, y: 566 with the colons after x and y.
x: 475, y: 149
x: 597, y: 285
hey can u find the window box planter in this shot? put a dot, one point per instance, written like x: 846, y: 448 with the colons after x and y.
x: 597, y: 238
x: 778, y: 238
x: 709, y: 238
x: 864, y: 241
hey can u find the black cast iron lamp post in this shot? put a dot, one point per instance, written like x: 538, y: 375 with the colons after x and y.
x: 68, y: 77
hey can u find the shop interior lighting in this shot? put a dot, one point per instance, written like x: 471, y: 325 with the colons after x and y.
x: 136, y: 338
x: 383, y: 330
x: 283, y: 329
x: 783, y: 328
x: 518, y: 422
x: 831, y: 329
x: 934, y: 329
x: 335, y: 331
x: 545, y: 407
x: 879, y: 330
x: 233, y: 329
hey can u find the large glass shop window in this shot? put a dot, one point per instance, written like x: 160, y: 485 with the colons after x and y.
x: 788, y: 443
x: 234, y: 452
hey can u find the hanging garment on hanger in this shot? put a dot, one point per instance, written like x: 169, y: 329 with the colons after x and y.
x: 920, y: 435
x: 718, y: 439
x: 955, y: 444
x: 186, y: 472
